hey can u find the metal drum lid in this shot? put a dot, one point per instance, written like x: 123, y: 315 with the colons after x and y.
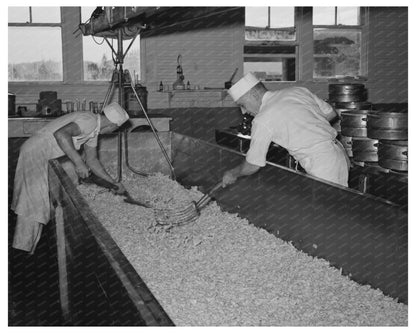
x: 345, y: 88
x: 356, y: 97
x: 347, y: 92
x: 353, y: 105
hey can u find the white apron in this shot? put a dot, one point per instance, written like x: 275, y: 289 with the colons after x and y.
x: 31, y: 188
x: 326, y: 160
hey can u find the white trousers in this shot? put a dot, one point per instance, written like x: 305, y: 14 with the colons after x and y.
x: 27, y: 234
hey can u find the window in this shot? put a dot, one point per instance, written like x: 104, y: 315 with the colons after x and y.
x: 338, y: 42
x: 270, y: 43
x: 98, y: 56
x: 35, y: 44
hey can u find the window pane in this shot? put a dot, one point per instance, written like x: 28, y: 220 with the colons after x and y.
x: 46, y: 15
x: 35, y: 54
x: 282, y: 24
x: 282, y: 17
x: 86, y: 13
x: 348, y: 15
x: 271, y: 68
x: 19, y: 15
x: 256, y: 16
x: 264, y: 53
x: 323, y: 15
x: 271, y: 62
x: 337, y: 52
x: 98, y: 62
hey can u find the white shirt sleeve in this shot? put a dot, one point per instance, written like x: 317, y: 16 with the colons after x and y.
x: 326, y: 109
x: 261, y: 137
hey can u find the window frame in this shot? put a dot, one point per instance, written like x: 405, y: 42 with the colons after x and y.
x: 43, y: 25
x: 276, y: 44
x: 363, y: 26
x: 73, y: 74
x: 304, y: 54
x: 304, y: 48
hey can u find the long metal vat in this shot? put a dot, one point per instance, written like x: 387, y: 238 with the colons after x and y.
x: 364, y: 235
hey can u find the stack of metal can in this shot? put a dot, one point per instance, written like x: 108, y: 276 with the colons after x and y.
x: 350, y: 102
x: 371, y: 136
x: 391, y: 130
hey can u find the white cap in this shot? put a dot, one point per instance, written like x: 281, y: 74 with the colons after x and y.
x: 242, y: 86
x: 116, y: 114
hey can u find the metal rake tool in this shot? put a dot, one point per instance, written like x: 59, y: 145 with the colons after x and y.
x: 189, y: 214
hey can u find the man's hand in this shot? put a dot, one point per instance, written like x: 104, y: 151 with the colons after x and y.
x: 244, y: 169
x: 82, y: 170
x: 228, y: 178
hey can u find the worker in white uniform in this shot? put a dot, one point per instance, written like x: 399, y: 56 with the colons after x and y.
x: 62, y: 136
x: 295, y: 119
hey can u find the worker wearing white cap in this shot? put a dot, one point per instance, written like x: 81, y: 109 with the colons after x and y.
x: 295, y: 119
x: 62, y: 136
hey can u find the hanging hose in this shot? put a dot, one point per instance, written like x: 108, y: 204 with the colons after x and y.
x: 101, y: 111
x: 154, y: 132
x: 126, y: 152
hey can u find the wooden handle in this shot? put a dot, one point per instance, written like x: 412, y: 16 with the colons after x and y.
x: 130, y: 200
x: 216, y: 187
x: 102, y: 182
x: 207, y: 196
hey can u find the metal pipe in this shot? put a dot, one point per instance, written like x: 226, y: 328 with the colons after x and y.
x: 120, y: 100
x: 111, y: 46
x: 128, y: 48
